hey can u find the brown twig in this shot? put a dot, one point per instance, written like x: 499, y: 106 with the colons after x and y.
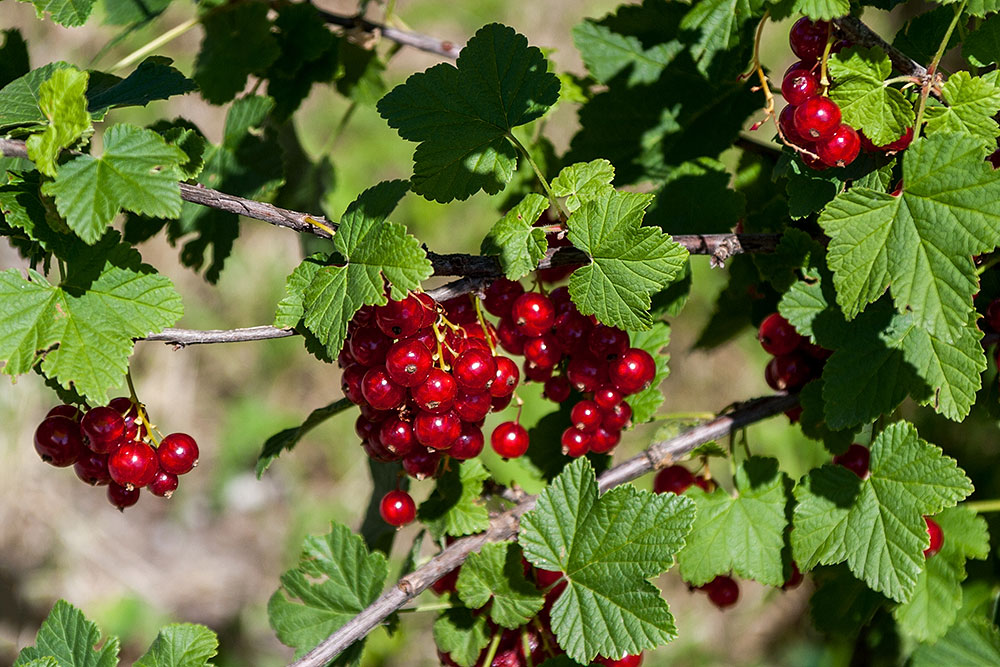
x: 417, y: 41
x: 504, y: 526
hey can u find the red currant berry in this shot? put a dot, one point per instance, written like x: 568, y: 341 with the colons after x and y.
x: 428, y: 310
x: 723, y: 591
x: 164, y: 484
x: 447, y: 583
x: 121, y: 496
x: 397, y: 508
x: 536, y: 373
x: 469, y: 443
x: 509, y: 440
x: 369, y: 346
x: 533, y: 314
x: 573, y: 331
x: 900, y: 144
x: 617, y: 417
x: 817, y: 118
x: 856, y: 459
x: 608, y: 342
x: 133, y: 464
x: 422, y: 463
x: 437, y: 393
x: 633, y: 371
x: 437, y: 431
x: 786, y: 123
x: 813, y: 163
x: 777, y: 336
x: 178, y: 453
x: 586, y: 415
x: 366, y: 429
x: 373, y: 415
x: 472, y: 406
x: 408, y: 362
x: 788, y: 371
x: 603, y: 441
x: 92, y: 468
x: 397, y: 436
x: 673, y: 479
x: 607, y: 397
x: 400, y: 319
x: 380, y: 390
x: 794, y: 579
x: 840, y: 148
x: 103, y: 428
x: 575, y: 442
x: 460, y: 310
x: 586, y: 373
x: 364, y: 317
x: 936, y: 536
x: 510, y: 338
x: 58, y: 441
x: 794, y: 414
x: 557, y: 388
x: 808, y: 38
x: 625, y: 661
x: 501, y: 295
x: 350, y: 383
x: 543, y: 351
x: 475, y: 369
x: 68, y: 411
x: 377, y: 451
x: 507, y: 377
x: 501, y: 402
x: 799, y: 85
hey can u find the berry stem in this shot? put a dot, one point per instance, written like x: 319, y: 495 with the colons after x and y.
x: 141, y: 410
x: 526, y: 647
x: 482, y: 323
x: 824, y: 80
x: 768, y: 95
x: 491, y: 652
x: 983, y: 506
x: 540, y: 176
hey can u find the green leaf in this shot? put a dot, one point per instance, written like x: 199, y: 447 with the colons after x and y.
x: 61, y: 98
x: 696, y: 199
x: 124, y: 12
x: 461, y: 635
x: 181, y: 645
x: 821, y: 10
x: 583, y: 182
x: 463, y: 115
x: 519, y: 244
x: 496, y: 573
x: 455, y: 507
x: 290, y: 309
x: 607, y: 547
x: 813, y: 423
x: 982, y: 46
x: 971, y: 104
x: 865, y: 102
x: 745, y: 534
x: 13, y: 57
x: 309, y: 54
x: 938, y: 595
x: 69, y: 13
x: 922, y: 241
x: 335, y: 580
x: 607, y: 53
x: 971, y: 641
x: 69, y: 638
x: 629, y: 261
x: 877, y: 524
x: 719, y: 23
x: 238, y: 42
x: 374, y: 250
x: 19, y: 98
x: 653, y: 340
x: 285, y: 441
x: 137, y: 172
x: 153, y: 79
x: 842, y: 605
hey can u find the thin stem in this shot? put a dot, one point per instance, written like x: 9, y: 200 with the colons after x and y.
x: 764, y: 86
x: 526, y: 647
x: 988, y: 264
x: 983, y: 506
x: 932, y: 68
x: 540, y: 176
x: 492, y: 650
x: 151, y: 46
x: 141, y: 409
x: 824, y: 80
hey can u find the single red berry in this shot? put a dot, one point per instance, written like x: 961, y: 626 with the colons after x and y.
x: 509, y: 440
x: 133, y: 464
x: 535, y: 373
x: 789, y: 371
x: 507, y: 377
x: 475, y: 369
x: 178, y: 453
x: 603, y: 440
x: 501, y: 402
x: 380, y: 390
x: 501, y: 295
x: 373, y: 415
x: 633, y: 371
x: 397, y: 508
x: 808, y: 38
x: 543, y: 351
x: 900, y: 144
x: 377, y: 451
x: 586, y: 415
x: 68, y: 411
x: 58, y: 441
x: 607, y: 397
x: 121, y: 496
x: 350, y: 383
x: 437, y: 393
x: 428, y: 310
x: 608, y: 342
x: 585, y: 373
x: 777, y: 336
x: 134, y: 428
x: 575, y: 442
x: 533, y: 314
x: 557, y: 388
x: 856, y: 459
x: 794, y: 414
x: 673, y: 479
x: 510, y: 338
x: 92, y: 468
x: 164, y: 484
x: 437, y: 431
x: 799, y: 85
x: 369, y: 346
x: 471, y: 406
x: 617, y: 417
x: 366, y: 429
x: 408, y: 362
x: 363, y: 317
x: 400, y: 319
x: 624, y: 661
x: 397, y: 436
x: 813, y: 163
x: 786, y: 123
x: 817, y: 118
x: 422, y: 463
x: 794, y: 579
x: 460, y: 310
x: 993, y: 315
x: 840, y: 148
x: 469, y: 443
x: 936, y: 536
x: 103, y: 428
x: 572, y: 330
x: 723, y: 591
x: 426, y: 338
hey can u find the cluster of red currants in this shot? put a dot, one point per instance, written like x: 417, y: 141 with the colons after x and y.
x: 796, y: 360
x: 568, y: 350
x: 109, y: 445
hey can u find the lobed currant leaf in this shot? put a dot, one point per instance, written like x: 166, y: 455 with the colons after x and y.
x: 583, y: 181
x: 70, y: 640
x: 495, y: 573
x: 519, y: 244
x: 865, y: 102
x: 696, y: 198
x: 455, y: 507
x: 69, y: 13
x: 238, y: 42
x: 607, y: 546
x: 877, y: 524
x: 154, y: 79
x: 970, y: 104
x: 61, y: 98
x: 461, y: 634
x: 181, y: 645
x: 19, y: 98
x: 819, y: 10
x: 718, y: 24
x: 973, y: 640
x: 607, y: 53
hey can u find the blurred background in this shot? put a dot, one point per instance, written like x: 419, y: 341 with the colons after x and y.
x: 213, y: 553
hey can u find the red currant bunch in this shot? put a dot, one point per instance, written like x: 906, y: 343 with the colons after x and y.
x: 796, y: 360
x: 109, y: 445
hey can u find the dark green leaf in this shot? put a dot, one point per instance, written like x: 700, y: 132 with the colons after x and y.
x: 238, y: 42
x: 285, y: 441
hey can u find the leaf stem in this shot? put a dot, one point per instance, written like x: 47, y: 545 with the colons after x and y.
x: 540, y: 176
x: 491, y: 652
x: 932, y: 74
x: 988, y: 264
x: 151, y: 46
x: 983, y: 506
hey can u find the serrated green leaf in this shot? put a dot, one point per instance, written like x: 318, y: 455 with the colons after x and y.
x: 919, y: 244
x: 971, y: 104
x: 124, y: 12
x: 69, y: 638
x: 821, y: 10
x: 495, y: 573
x: 286, y: 440
x: 290, y: 309
x: 607, y: 547
x: 461, y: 635
x: 982, y: 46
x: 865, y: 102
x: 514, y: 238
x: 796, y: 250
x: 13, y: 57
x: 718, y: 23
x: 336, y: 579
x: 607, y: 53
x: 137, y: 172
x: 181, y: 645
x: 455, y: 507
x: 653, y: 340
x: 61, y: 98
x: 69, y: 13
x: 238, y: 42
x: 462, y: 115
x: 877, y: 524
x: 628, y: 261
x: 745, y: 534
x: 309, y: 54
x: 938, y: 594
x: 193, y: 144
x: 813, y: 423
x: 583, y: 181
x: 153, y: 79
x: 19, y: 98
x: 970, y: 641
x: 982, y: 7
x: 374, y: 250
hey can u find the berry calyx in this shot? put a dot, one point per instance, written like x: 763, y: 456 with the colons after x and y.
x: 633, y: 371
x: 936, y: 536
x: 397, y: 508
x: 673, y: 479
x: 133, y: 464
x: 799, y: 85
x: 856, y: 459
x: 121, y: 496
x: 723, y: 591
x: 777, y: 336
x: 840, y: 148
x: 178, y: 453
x: 408, y: 362
x: 509, y: 440
x: 58, y: 441
x: 533, y: 314
x: 817, y: 118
